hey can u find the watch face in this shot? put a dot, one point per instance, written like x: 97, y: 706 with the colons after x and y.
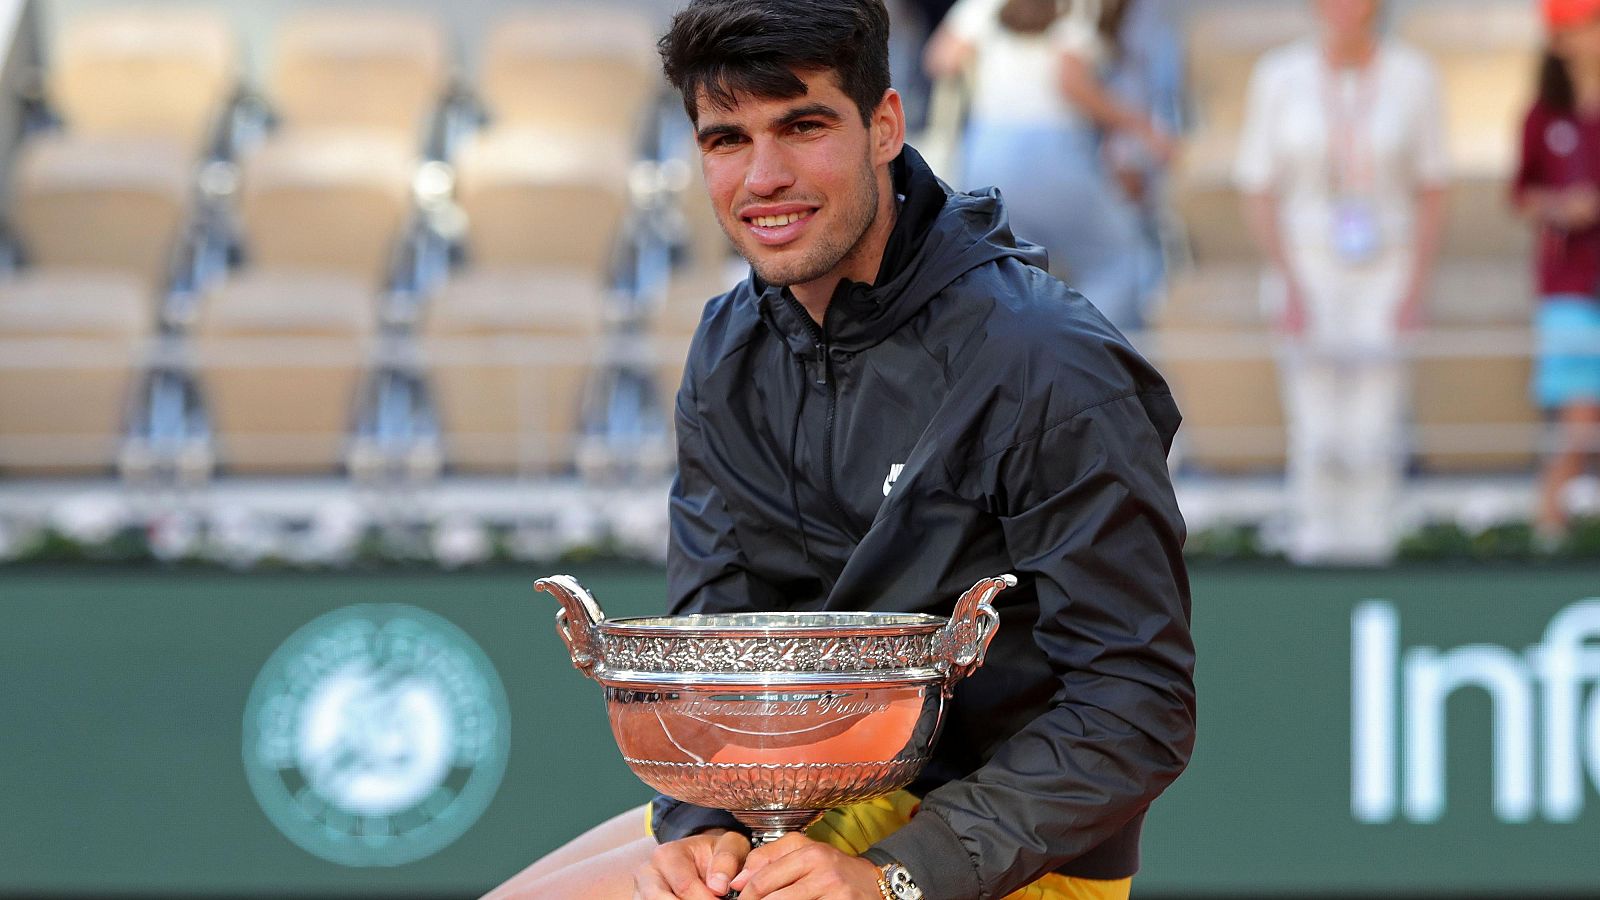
x: 901, y: 884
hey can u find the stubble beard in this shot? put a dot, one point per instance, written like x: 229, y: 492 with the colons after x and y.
x: 832, y: 249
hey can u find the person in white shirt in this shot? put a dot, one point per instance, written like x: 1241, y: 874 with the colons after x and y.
x: 1343, y: 169
x: 1038, y: 114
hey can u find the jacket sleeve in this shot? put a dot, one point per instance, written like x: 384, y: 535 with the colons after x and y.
x: 706, y: 572
x: 1088, y: 513
x: 706, y: 568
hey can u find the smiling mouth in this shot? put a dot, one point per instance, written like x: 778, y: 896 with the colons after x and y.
x: 777, y: 221
x: 778, y: 229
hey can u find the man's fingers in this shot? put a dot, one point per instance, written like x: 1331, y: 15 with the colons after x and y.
x: 802, y: 891
x: 727, y: 858
x: 680, y: 877
x: 789, y: 869
x: 766, y: 854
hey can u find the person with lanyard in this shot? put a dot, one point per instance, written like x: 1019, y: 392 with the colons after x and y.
x: 1343, y: 171
x: 898, y: 401
x: 1557, y: 188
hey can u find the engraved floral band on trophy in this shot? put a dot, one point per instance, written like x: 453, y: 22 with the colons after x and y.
x: 777, y: 717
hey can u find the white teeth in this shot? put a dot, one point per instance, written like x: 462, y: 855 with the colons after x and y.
x: 777, y: 221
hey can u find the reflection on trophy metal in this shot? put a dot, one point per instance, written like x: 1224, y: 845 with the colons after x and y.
x: 777, y: 717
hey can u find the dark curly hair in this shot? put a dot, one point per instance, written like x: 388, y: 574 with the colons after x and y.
x: 720, y: 48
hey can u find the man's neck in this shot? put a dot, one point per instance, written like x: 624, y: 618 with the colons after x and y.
x: 1351, y: 51
x: 861, y: 264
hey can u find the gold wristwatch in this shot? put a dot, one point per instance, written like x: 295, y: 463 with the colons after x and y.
x: 895, y: 883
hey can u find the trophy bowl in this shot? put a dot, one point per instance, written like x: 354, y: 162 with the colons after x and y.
x: 776, y: 717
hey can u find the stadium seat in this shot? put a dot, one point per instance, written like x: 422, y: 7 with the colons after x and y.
x: 144, y: 72
x: 281, y: 357
x: 1215, y: 347
x: 535, y: 198
x: 1224, y: 43
x: 326, y: 202
x: 675, y: 322
x: 1480, y: 222
x: 705, y: 242
x: 1487, y: 53
x: 71, y: 349
x: 1224, y: 40
x: 362, y: 68
x: 1470, y: 400
x: 510, y: 354
x: 592, y: 69
x: 101, y: 203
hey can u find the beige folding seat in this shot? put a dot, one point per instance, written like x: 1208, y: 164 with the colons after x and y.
x: 100, y: 204
x: 1210, y: 207
x: 281, y: 357
x: 510, y: 355
x: 364, y: 67
x: 1216, y: 349
x: 593, y: 69
x: 1224, y: 41
x: 538, y: 198
x: 1480, y: 222
x: 72, y: 346
x: 673, y: 325
x: 1487, y: 53
x: 707, y: 244
x: 147, y: 72
x: 1470, y: 397
x: 326, y: 202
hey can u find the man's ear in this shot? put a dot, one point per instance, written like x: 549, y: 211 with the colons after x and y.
x: 888, y: 128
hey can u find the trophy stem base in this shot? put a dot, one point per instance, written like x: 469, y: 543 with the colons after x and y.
x: 767, y: 826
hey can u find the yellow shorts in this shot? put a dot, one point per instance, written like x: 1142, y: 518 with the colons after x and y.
x: 855, y: 828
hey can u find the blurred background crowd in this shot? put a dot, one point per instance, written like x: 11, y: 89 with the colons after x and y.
x: 289, y: 280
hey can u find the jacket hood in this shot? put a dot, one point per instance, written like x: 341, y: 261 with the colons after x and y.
x: 939, y: 235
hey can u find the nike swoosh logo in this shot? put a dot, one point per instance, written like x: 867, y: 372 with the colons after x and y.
x: 894, y: 473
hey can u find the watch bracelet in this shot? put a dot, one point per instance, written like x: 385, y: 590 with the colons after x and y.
x: 883, y: 882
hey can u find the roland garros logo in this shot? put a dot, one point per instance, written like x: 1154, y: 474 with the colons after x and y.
x: 376, y: 735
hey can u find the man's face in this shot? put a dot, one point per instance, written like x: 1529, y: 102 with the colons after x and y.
x: 796, y: 183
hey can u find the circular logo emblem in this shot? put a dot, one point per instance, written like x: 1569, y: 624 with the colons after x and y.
x: 1562, y: 137
x: 376, y: 735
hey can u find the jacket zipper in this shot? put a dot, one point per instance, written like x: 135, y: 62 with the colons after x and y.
x: 825, y: 360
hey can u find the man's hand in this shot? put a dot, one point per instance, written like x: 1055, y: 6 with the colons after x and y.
x: 694, y: 868
x: 798, y: 868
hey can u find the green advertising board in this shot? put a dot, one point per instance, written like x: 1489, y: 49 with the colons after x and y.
x: 1418, y: 730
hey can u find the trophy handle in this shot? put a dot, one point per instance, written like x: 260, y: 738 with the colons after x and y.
x: 961, y: 645
x: 578, y: 620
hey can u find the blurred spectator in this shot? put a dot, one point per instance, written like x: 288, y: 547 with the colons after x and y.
x: 1343, y: 168
x: 911, y: 22
x: 1147, y: 74
x: 1038, y: 108
x: 1558, y: 189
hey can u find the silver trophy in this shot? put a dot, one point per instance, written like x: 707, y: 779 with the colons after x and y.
x: 777, y: 717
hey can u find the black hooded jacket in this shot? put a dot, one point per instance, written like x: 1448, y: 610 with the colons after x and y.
x: 967, y: 415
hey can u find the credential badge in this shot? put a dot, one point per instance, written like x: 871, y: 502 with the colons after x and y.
x: 376, y: 735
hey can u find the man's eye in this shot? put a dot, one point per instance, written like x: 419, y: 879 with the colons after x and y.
x: 805, y: 127
x: 724, y: 141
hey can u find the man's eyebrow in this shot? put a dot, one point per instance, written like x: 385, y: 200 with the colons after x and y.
x: 822, y: 110
x: 810, y: 110
x: 711, y: 131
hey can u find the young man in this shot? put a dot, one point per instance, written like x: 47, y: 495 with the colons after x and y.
x: 898, y: 402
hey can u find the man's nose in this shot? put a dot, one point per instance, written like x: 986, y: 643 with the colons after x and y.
x: 769, y: 170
